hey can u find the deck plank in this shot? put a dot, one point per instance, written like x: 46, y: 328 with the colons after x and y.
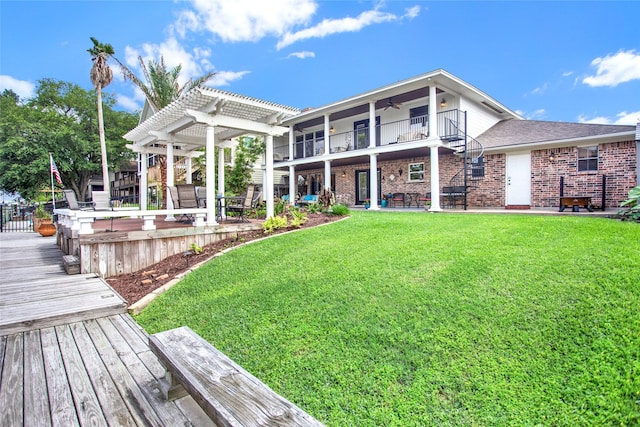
x: 134, y: 398
x: 11, y: 385
x: 168, y: 412
x: 85, y: 400
x: 36, y: 406
x: 113, y: 406
x: 60, y: 400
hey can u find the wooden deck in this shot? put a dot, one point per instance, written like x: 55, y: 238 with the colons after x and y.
x: 69, y: 354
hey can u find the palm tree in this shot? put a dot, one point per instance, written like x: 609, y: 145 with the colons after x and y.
x: 161, y: 88
x: 101, y: 76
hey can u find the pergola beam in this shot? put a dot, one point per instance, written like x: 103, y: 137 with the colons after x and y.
x: 159, y: 150
x: 249, y: 126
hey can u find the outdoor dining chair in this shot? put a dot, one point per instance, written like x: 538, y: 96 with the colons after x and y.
x: 397, y: 198
x: 240, y: 206
x: 102, y: 202
x: 72, y: 201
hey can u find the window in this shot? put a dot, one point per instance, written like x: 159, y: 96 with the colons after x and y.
x: 477, y: 167
x: 587, y: 159
x: 416, y: 171
x: 418, y: 115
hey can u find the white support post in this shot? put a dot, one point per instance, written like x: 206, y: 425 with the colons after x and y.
x: 373, y: 184
x: 210, y: 141
x: 170, y: 180
x: 327, y: 134
x: 189, y: 170
x: 433, y: 112
x: 292, y: 140
x: 435, y: 179
x: 268, y: 184
x: 221, y: 179
x: 327, y: 175
x: 293, y: 185
x: 372, y: 126
x: 143, y: 191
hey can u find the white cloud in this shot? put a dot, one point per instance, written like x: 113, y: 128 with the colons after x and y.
x: 540, y: 89
x: 567, y: 74
x: 224, y: 78
x: 412, y: 12
x: 614, y: 69
x: 128, y: 103
x: 623, y: 118
x: 334, y: 26
x: 245, y: 20
x: 536, y: 115
x: 23, y: 88
x: 302, y: 55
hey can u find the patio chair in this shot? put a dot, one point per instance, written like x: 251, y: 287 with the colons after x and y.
x: 74, y: 204
x: 240, y: 205
x: 424, y: 199
x: 102, y: 202
x: 187, y: 199
x: 397, y: 198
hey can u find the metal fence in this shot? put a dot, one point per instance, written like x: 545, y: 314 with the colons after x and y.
x: 16, y: 218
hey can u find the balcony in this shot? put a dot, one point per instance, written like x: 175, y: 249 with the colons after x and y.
x: 451, y: 125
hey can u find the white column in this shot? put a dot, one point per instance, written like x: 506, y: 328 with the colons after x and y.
x: 268, y: 184
x: 292, y: 140
x: 327, y: 174
x: 433, y: 112
x: 435, y: 179
x: 327, y: 134
x: 143, y: 191
x: 373, y: 181
x: 170, y: 180
x: 372, y: 127
x: 210, y: 141
x: 293, y: 185
x: 221, y: 177
x: 188, y: 162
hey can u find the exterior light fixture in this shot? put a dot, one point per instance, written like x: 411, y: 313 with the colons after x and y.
x: 443, y: 103
x: 400, y: 172
x: 332, y: 129
x: 552, y: 157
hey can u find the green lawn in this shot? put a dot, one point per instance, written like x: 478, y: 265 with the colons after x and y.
x: 416, y: 319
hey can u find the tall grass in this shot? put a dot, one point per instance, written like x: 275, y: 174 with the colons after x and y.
x: 413, y: 319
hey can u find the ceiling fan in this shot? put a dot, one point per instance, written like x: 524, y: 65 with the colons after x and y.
x: 391, y: 104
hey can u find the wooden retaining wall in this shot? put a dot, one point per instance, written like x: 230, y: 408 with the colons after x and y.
x: 129, y: 251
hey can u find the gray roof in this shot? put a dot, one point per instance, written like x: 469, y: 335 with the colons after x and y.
x: 517, y: 132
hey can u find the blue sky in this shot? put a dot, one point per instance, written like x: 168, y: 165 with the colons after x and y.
x: 561, y: 61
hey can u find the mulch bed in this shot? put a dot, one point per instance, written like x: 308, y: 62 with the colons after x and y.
x: 134, y: 286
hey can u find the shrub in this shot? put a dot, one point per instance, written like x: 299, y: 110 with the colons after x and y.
x: 274, y: 223
x: 340, y: 209
x: 631, y: 206
x: 298, y: 218
x: 195, y: 248
x: 314, y: 207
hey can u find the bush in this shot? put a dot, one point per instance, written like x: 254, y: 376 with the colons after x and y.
x: 274, y: 223
x: 631, y: 206
x: 298, y: 218
x: 340, y: 209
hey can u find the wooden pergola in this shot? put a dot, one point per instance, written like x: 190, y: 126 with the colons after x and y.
x: 208, y: 118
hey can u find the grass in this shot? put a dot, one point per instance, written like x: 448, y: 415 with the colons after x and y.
x: 410, y: 319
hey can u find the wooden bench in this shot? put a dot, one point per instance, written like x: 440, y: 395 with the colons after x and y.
x: 576, y: 203
x: 228, y: 394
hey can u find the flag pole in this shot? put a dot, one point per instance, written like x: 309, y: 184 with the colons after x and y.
x: 53, y: 194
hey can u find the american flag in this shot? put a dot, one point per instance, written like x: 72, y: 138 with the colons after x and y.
x: 55, y: 171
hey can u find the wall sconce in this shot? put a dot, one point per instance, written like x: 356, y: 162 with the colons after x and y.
x: 552, y: 157
x: 331, y: 129
x: 443, y: 103
x: 400, y: 172
x: 344, y: 174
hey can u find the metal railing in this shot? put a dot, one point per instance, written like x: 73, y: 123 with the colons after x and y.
x: 16, y: 218
x: 450, y: 126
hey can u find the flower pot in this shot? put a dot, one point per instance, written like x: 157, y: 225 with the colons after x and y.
x: 367, y: 205
x: 47, y: 229
x: 383, y: 203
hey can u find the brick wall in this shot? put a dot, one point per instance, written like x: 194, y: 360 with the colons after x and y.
x: 615, y: 160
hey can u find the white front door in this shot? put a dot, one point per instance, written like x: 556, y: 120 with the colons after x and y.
x: 519, y: 179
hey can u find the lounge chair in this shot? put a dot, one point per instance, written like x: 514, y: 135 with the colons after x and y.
x: 73, y: 202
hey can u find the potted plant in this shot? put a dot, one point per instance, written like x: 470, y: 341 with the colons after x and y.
x: 41, y: 216
x: 367, y: 203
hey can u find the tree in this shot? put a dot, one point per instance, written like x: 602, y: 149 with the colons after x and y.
x: 101, y: 77
x: 61, y: 119
x: 247, y: 152
x: 161, y: 88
